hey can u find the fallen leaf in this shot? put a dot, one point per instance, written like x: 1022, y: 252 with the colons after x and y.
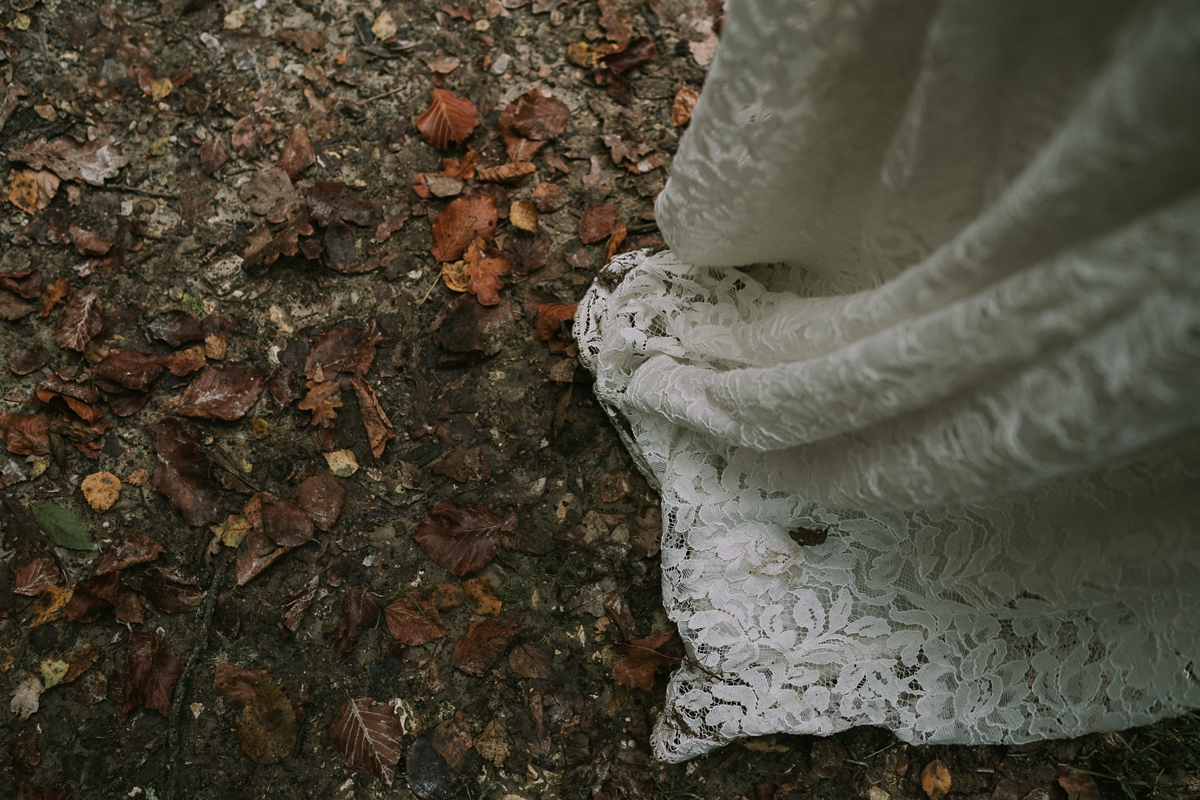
x: 185, y: 362
x: 550, y: 319
x: 177, y: 328
x: 460, y: 539
x: 641, y: 660
x: 394, y: 218
x: 91, y: 162
x: 52, y: 605
x: 323, y: 400
x: 384, y: 27
x: 35, y: 577
x: 616, y: 485
x: 549, y: 197
x: 615, y: 242
x: 322, y: 496
x: 640, y: 51
x: 236, y: 685
x: 443, y: 63
x: 427, y: 770
x: 285, y: 522
x: 587, y: 56
x: 32, y: 191
x: 303, y: 40
x: 512, y: 173
x: 294, y: 605
x: 493, y: 744
x: 56, y: 294
x: 270, y: 193
x: 80, y: 661
x: 248, y: 136
x: 26, y: 360
x: 25, y: 434
x: 182, y: 472
x: 448, y: 119
x: 538, y: 116
x: 597, y: 223
x: 26, y: 697
x: 330, y: 200
x: 1077, y: 785
x: 532, y: 660
x: 523, y: 214
x: 464, y: 219
x: 483, y: 267
x: 379, y: 427
x: 88, y: 243
x: 101, y: 490
x: 468, y: 330
x: 169, y: 594
x: 62, y: 526
x: 827, y: 757
x: 413, y: 621
x: 80, y: 322
x: 52, y: 671
x: 13, y: 308
x: 129, y: 550
x: 481, y: 598
x: 359, y: 608
x: 483, y: 644
x: 267, y: 726
x: 255, y: 554
x: 132, y: 369
x: 226, y: 392
x: 935, y: 780
x: 683, y: 105
x: 153, y: 671
x: 342, y: 463
x: 367, y: 734
x: 615, y: 22
x: 213, y: 155
x: 91, y: 596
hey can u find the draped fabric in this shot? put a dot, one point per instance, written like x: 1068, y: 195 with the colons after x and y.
x: 919, y: 376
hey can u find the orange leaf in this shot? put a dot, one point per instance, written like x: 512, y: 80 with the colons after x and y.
x: 550, y: 318
x: 322, y: 400
x: 512, y: 172
x: 642, y: 659
x: 615, y: 242
x: 484, y: 271
x: 681, y: 108
x: 379, y: 427
x: 448, y: 119
x: 935, y: 780
x: 466, y: 218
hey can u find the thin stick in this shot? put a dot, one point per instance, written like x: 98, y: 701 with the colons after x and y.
x: 210, y: 604
x: 385, y: 94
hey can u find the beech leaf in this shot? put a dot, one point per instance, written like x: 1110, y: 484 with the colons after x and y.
x: 457, y: 538
x: 413, y: 621
x: 448, y: 119
x: 538, y: 116
x: 935, y: 780
x: 464, y: 219
x: 80, y: 322
x: 642, y: 659
x: 323, y: 497
x: 359, y: 608
x: 226, y: 392
x: 367, y: 734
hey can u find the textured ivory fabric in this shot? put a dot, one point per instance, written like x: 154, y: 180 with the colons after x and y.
x: 965, y: 345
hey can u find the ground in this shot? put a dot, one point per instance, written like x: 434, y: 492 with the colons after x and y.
x: 283, y: 366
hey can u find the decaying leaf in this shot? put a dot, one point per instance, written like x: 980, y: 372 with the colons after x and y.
x: 255, y: 554
x: 267, y: 726
x: 88, y: 243
x: 153, y: 671
x: 551, y: 317
x: 459, y: 538
x: 182, y: 473
x: 213, y: 155
x: 285, y: 522
x: 169, y: 594
x: 270, y: 193
x: 52, y: 605
x: 91, y: 162
x: 25, y: 434
x: 32, y: 191
x: 225, y: 392
x: 413, y: 621
x: 35, y: 577
x: 379, y: 427
x: 367, y: 734
x: 26, y: 697
x: 640, y: 51
x: 482, y: 599
x: 1077, y: 785
x: 641, y: 660
x: 331, y: 201
x: 935, y: 780
x: 617, y: 484
x: 132, y: 369
x: 464, y: 219
x: 294, y: 605
x: 615, y: 22
x: 484, y: 642
x: 359, y: 608
x: 448, y: 119
x: 532, y: 660
x: 323, y: 400
x: 101, y: 490
x: 322, y: 496
x: 483, y: 268
x: 92, y: 595
x: 683, y: 105
x: 523, y: 214
x: 131, y: 549
x: 236, y: 685
x: 305, y: 41
x: 80, y: 322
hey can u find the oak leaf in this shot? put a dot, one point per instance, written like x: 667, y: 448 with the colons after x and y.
x: 323, y: 400
x: 448, y: 119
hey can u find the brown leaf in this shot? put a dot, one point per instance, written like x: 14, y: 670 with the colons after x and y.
x: 88, y: 243
x: 615, y: 22
x: 56, y: 293
x: 91, y: 162
x: 640, y: 51
x: 617, y: 484
x: 13, y: 308
x: 484, y: 643
x: 182, y: 473
x: 303, y: 40
x: 322, y: 496
x: 935, y: 780
x: 379, y: 427
x: 323, y: 400
x: 532, y: 660
x: 367, y: 734
x: 1077, y: 785
x: 394, y: 218
x: 597, y: 223
x: 333, y: 352
x: 79, y: 661
x: 827, y: 757
x: 153, y: 672
x: 236, y: 685
x: 248, y: 136
x: 267, y: 726
x: 25, y: 361
x: 443, y: 63
x: 132, y: 369
x: 264, y: 247
x: 641, y: 660
x: 538, y: 116
x: 130, y: 549
x: 413, y: 621
x: 615, y: 243
x: 467, y: 463
x: 92, y: 595
x: 255, y: 554
x: 448, y: 119
x: 464, y: 219
x: 51, y: 605
x: 270, y: 193
x: 551, y: 317
x: 285, y: 522
x: 185, y: 362
x: 294, y: 605
x: 512, y: 173
x: 213, y: 155
x: 330, y: 200
x: 359, y: 608
x: 462, y: 170
x: 549, y: 197
x: 452, y: 741
x: 582, y: 54
x: 469, y: 330
x: 101, y: 490
x: 226, y: 392
x: 523, y: 215
x: 297, y: 154
x: 178, y: 327
x: 35, y: 577
x: 169, y: 594
x: 25, y: 434
x: 80, y: 322
x: 483, y: 267
x: 460, y: 539
x: 683, y: 105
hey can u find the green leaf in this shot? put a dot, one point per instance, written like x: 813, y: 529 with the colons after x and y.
x: 62, y: 527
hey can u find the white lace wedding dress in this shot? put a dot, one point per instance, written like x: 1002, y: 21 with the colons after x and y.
x: 933, y: 292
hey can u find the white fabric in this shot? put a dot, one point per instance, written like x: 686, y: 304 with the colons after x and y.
x: 969, y: 351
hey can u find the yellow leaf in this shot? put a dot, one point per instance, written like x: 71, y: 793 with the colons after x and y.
x: 935, y: 780
x: 160, y: 89
x: 232, y: 530
x: 455, y: 276
x: 384, y: 26
x: 50, y: 605
x: 523, y: 215
x: 53, y: 671
x: 101, y: 490
x: 32, y: 191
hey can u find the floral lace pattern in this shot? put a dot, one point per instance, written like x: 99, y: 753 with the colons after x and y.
x: 935, y: 471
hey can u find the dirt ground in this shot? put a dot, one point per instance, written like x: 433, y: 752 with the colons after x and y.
x: 309, y: 420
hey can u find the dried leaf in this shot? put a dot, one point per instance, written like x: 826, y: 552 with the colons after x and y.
x: 153, y: 672
x: 413, y: 621
x: 267, y: 726
x: 91, y: 162
x: 329, y: 201
x: 80, y: 661
x: 538, y: 116
x: 62, y: 526
x: 80, y: 322
x: 367, y: 734
x: 25, y: 434
x: 213, y: 155
x: 101, y: 490
x: 255, y: 554
x: 25, y: 361
x: 130, y: 549
x: 248, y: 136
x: 615, y: 242
x: 1077, y: 785
x: 597, y: 223
x: 587, y: 56
x: 323, y: 400
x: 294, y: 605
x: 303, y: 40
x: 32, y: 191
x: 394, y: 218
x: 322, y: 496
x: 827, y: 757
x: 91, y: 596
x: 132, y: 369
x: 481, y: 598
x: 270, y: 193
x: 464, y: 219
x: 483, y: 644
x: 56, y: 293
x: 483, y: 267
x: 640, y: 51
x: 297, y: 154
x: 25, y: 699
x: 236, y: 685
x: 88, y: 243
x: 182, y: 473
x: 169, y: 594
x: 615, y: 22
x: 13, y: 308
x: 52, y: 605
x: 448, y: 119
x: 532, y: 660
x: 359, y: 608
x: 185, y: 362
x: 226, y: 392
x: 683, y: 105
x: 550, y: 319
x: 512, y: 173
x: 523, y: 214
x: 466, y: 463
x: 935, y: 780
x: 35, y: 577
x: 641, y: 660
x: 379, y: 427
x: 285, y: 522
x: 443, y: 63
x: 263, y: 247
x: 458, y: 538
x: 178, y: 327
x: 549, y: 197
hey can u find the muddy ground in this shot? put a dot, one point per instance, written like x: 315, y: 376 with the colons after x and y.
x: 136, y: 260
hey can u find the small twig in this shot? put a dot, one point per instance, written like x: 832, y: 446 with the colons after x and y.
x: 210, y: 604
x: 136, y: 190
x: 436, y: 281
x: 388, y: 93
